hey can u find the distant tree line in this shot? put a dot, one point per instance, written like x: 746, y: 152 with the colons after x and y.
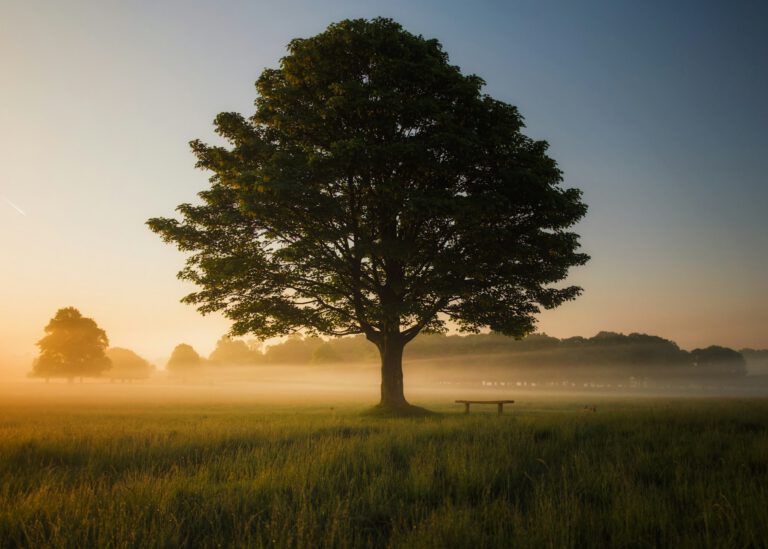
x: 636, y: 354
x: 757, y: 360
x: 75, y: 347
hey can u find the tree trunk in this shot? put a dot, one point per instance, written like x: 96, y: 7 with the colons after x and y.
x: 391, y: 351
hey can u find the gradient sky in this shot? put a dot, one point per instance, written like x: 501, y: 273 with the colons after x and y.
x: 656, y: 110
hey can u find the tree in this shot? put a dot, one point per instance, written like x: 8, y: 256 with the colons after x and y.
x: 376, y: 190
x: 234, y: 351
x: 756, y: 361
x: 719, y: 361
x: 74, y: 346
x: 294, y: 350
x: 325, y: 353
x: 126, y: 364
x: 183, y: 359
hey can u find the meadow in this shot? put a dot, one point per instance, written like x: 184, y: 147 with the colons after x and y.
x: 214, y: 472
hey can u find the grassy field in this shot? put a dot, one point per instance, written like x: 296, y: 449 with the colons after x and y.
x: 635, y: 473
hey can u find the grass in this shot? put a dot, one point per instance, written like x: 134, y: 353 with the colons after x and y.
x: 546, y: 474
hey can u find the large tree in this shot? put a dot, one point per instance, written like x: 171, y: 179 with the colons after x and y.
x: 376, y: 190
x: 73, y: 346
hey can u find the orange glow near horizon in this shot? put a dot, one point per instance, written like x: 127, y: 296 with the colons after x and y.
x: 95, y: 122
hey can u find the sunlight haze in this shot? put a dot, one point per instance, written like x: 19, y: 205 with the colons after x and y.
x: 656, y: 112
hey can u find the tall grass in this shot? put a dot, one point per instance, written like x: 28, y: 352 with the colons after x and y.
x: 633, y: 474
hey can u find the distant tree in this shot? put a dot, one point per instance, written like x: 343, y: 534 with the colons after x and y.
x: 719, y: 361
x: 294, y: 350
x: 757, y: 361
x: 74, y: 346
x: 234, y: 351
x: 184, y: 359
x: 640, y: 354
x: 325, y: 353
x: 616, y: 354
x: 127, y: 365
x: 377, y: 190
x: 441, y: 345
x: 354, y: 348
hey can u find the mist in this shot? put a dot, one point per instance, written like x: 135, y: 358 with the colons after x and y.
x: 428, y: 381
x: 437, y: 368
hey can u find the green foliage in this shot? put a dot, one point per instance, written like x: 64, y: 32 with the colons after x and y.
x: 126, y: 364
x: 74, y: 346
x: 183, y: 359
x: 650, y: 473
x: 376, y: 190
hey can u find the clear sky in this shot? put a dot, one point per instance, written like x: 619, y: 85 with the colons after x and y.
x: 656, y: 110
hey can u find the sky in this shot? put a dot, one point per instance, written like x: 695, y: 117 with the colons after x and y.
x: 656, y: 110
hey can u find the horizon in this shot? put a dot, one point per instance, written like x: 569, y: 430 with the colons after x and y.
x: 654, y: 115
x: 24, y: 368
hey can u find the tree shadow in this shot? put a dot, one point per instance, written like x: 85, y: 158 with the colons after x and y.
x: 407, y: 410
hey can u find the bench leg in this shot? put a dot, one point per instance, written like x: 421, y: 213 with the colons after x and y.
x: 500, y: 408
x: 466, y: 407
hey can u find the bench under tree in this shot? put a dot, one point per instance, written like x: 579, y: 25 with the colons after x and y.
x: 499, y: 404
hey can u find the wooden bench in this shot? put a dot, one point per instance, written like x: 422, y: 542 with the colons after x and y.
x: 499, y: 404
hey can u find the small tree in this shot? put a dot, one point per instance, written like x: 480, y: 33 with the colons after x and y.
x: 184, y: 359
x: 127, y: 365
x: 376, y: 190
x: 234, y: 351
x: 74, y: 346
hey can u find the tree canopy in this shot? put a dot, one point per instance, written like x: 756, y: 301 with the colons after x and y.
x: 376, y: 190
x: 183, y: 359
x: 127, y: 365
x: 716, y: 360
x: 74, y: 346
x: 230, y: 351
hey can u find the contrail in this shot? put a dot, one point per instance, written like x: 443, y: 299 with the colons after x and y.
x: 15, y: 207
